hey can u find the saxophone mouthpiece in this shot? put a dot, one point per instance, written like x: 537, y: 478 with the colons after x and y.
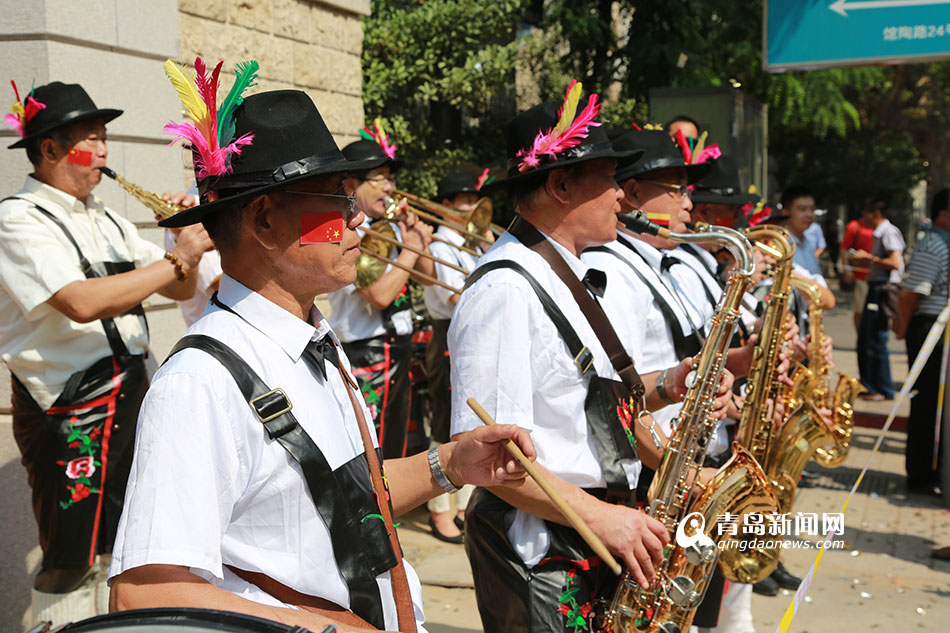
x: 637, y: 222
x: 108, y: 172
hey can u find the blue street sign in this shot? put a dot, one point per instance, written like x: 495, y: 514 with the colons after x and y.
x: 802, y: 34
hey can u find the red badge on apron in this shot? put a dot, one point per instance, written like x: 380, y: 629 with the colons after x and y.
x: 321, y: 228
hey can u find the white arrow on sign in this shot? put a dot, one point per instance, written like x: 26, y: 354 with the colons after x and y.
x: 841, y: 7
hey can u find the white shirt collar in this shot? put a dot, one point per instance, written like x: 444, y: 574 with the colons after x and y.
x: 451, y: 234
x: 879, y: 231
x: 61, y: 198
x: 289, y: 332
x: 650, y: 255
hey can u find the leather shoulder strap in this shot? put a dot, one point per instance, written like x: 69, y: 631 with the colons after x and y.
x: 684, y: 345
x: 352, y: 538
x: 583, y: 357
x: 596, y: 317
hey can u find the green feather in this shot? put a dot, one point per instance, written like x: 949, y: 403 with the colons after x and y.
x: 245, y: 76
x: 366, y: 135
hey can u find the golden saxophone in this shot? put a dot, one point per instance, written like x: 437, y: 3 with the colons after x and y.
x: 815, y: 383
x: 161, y: 208
x: 668, y: 605
x: 754, y: 435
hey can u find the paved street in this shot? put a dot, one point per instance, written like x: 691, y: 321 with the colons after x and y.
x: 882, y: 579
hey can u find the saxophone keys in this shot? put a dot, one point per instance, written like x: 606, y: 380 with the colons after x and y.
x: 650, y: 427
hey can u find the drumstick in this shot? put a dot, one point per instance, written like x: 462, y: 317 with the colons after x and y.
x: 575, y: 520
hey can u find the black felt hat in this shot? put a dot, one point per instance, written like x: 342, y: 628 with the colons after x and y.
x: 658, y: 151
x: 520, y: 135
x: 291, y: 144
x: 721, y: 185
x: 65, y: 104
x: 453, y: 184
x: 370, y: 153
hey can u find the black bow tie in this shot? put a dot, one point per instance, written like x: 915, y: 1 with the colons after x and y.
x: 667, y: 262
x: 596, y: 281
x: 317, y: 352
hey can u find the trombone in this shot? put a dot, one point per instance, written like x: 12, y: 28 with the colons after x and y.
x: 376, y: 248
x: 476, y: 221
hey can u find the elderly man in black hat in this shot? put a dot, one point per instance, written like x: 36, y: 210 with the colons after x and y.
x: 257, y: 484
x: 73, y: 276
x: 530, y: 341
x: 374, y: 320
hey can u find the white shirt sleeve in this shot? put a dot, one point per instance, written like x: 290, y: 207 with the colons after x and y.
x: 490, y: 346
x: 184, y: 434
x: 142, y: 251
x: 36, y: 259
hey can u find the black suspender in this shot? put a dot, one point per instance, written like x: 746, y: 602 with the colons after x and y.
x: 344, y: 498
x: 683, y: 344
x: 583, y: 357
x: 116, y: 344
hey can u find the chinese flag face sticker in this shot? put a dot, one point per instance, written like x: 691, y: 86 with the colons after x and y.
x: 79, y: 157
x: 321, y: 228
x: 661, y: 219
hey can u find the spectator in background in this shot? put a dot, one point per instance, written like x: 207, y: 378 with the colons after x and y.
x: 858, y: 235
x: 886, y: 260
x: 798, y: 205
x: 923, y: 295
x: 689, y: 126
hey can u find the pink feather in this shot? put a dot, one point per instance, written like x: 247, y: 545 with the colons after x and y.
x: 551, y: 144
x: 481, y: 180
x: 13, y: 120
x: 209, y: 161
x: 710, y: 152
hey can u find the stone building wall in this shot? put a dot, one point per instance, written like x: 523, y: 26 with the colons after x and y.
x: 116, y: 49
x: 310, y: 45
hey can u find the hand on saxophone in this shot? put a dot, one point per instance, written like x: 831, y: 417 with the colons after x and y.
x: 633, y: 536
x: 181, y: 198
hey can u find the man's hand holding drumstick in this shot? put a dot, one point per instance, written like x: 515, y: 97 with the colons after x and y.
x: 635, y: 537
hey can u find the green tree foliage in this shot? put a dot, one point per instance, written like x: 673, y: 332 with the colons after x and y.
x: 442, y: 73
x: 439, y: 73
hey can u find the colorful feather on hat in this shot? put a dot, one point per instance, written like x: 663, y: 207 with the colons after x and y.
x: 569, y: 131
x: 378, y: 134
x: 211, y: 131
x: 20, y: 114
x: 483, y: 180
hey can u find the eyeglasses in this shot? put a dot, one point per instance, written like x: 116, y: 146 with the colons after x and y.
x: 680, y: 191
x: 378, y: 180
x: 348, y: 212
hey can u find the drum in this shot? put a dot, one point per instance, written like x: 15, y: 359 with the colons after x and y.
x: 178, y: 620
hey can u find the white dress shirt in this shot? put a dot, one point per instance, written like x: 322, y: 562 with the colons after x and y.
x: 508, y: 355
x: 39, y: 344
x: 208, y: 487
x: 436, y: 297
x: 638, y: 310
x: 354, y: 319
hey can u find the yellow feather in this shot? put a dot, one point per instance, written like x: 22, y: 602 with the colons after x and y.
x: 700, y: 146
x: 195, y: 108
x: 17, y: 109
x: 570, y: 108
